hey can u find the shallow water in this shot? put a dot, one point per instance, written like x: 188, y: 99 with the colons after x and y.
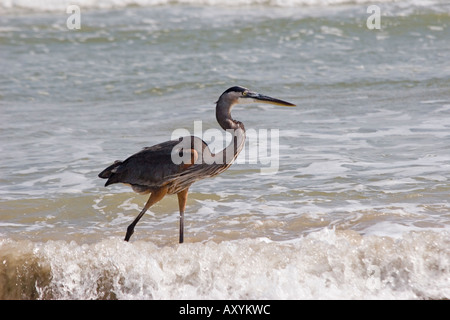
x: 357, y: 206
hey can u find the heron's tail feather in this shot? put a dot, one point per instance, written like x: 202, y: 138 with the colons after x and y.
x: 108, y: 172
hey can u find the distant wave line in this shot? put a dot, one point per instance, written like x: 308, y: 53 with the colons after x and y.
x: 61, y: 5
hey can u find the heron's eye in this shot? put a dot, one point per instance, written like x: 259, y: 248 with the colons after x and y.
x: 244, y: 93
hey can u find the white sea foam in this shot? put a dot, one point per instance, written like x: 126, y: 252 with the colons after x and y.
x: 323, y: 265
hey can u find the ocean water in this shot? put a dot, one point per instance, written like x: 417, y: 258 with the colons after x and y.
x: 355, y: 204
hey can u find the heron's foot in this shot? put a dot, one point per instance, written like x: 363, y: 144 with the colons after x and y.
x: 130, y: 231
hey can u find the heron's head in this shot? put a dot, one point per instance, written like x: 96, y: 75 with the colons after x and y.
x: 239, y: 95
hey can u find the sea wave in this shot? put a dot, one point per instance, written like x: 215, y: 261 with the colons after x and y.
x: 62, y: 5
x: 326, y: 264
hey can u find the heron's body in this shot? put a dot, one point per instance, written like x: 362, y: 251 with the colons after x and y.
x: 152, y: 169
x: 172, y: 166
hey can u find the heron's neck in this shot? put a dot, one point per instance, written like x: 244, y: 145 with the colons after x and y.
x: 223, y: 114
x: 236, y: 128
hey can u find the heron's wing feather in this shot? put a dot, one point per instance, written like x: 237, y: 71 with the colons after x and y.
x: 148, y: 167
x: 153, y: 166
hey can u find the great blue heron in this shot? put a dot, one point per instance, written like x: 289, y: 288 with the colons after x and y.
x: 172, y: 166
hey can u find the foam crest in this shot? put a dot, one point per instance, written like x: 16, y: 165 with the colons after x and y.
x: 327, y: 264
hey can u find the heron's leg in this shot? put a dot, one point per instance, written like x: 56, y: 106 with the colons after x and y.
x: 154, y: 198
x: 182, y: 198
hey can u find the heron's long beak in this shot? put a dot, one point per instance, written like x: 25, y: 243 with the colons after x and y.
x: 266, y: 99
